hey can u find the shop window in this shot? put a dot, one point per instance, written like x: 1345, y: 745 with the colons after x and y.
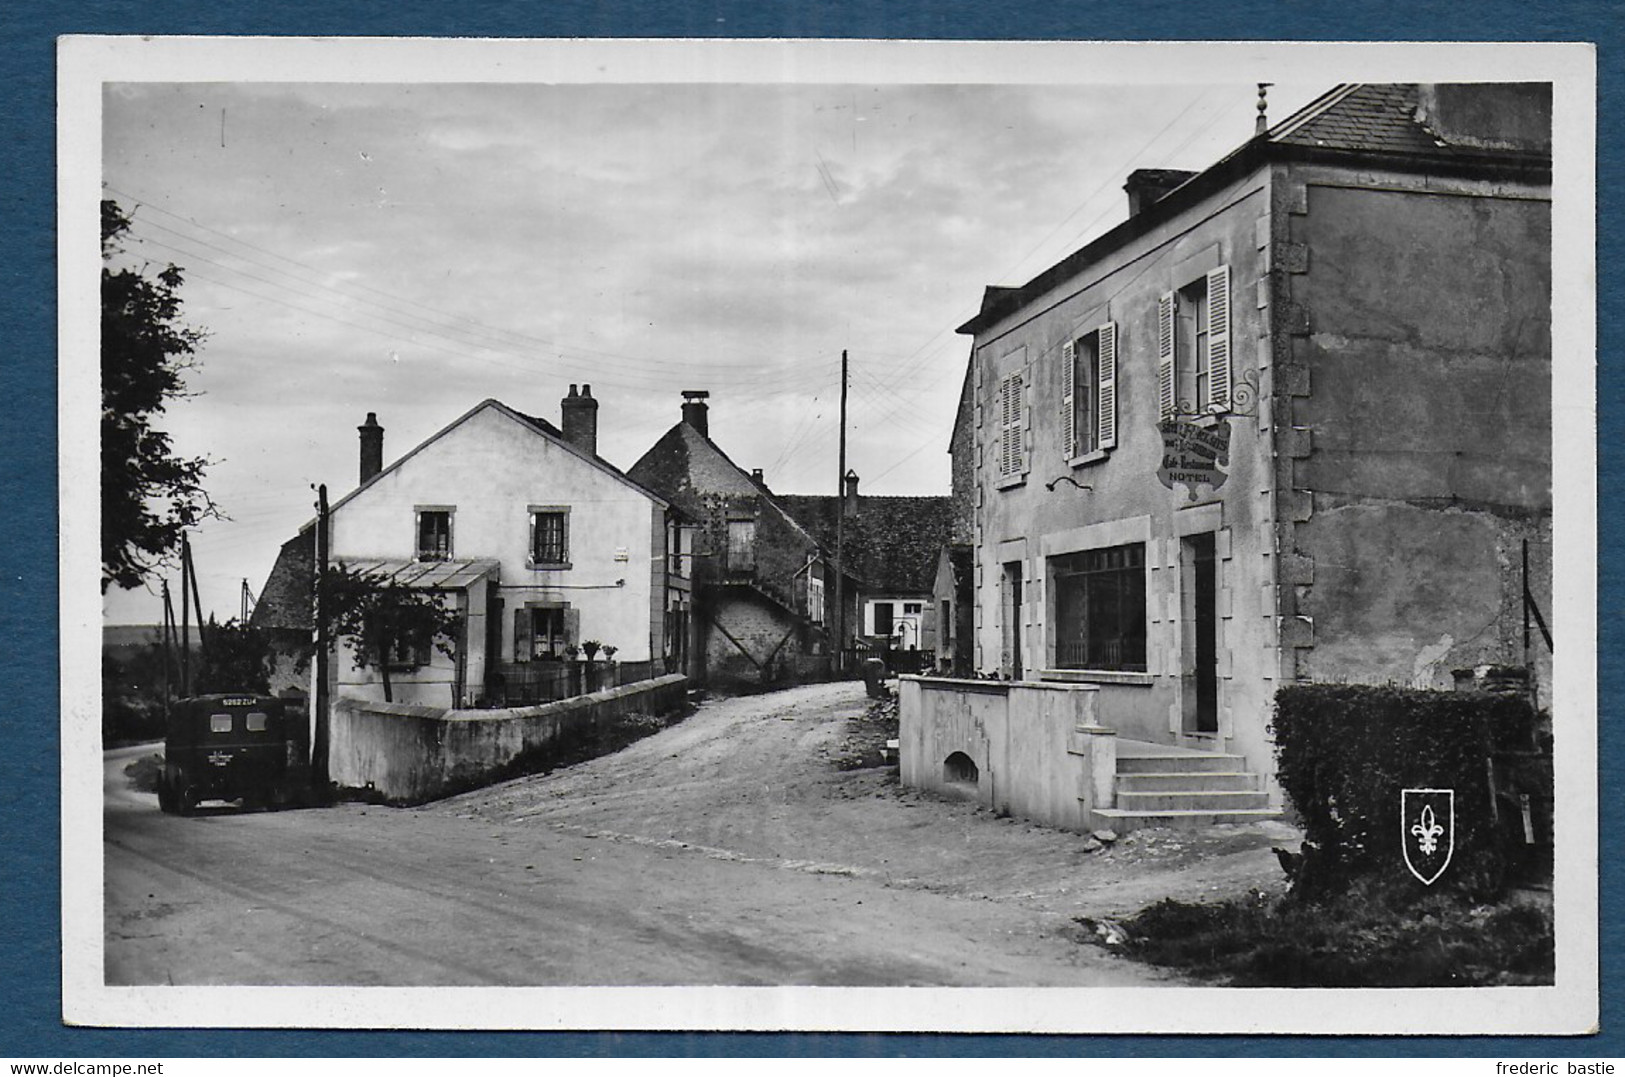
x: 1100, y: 609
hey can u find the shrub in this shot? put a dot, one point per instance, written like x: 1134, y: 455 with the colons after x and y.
x: 1347, y: 751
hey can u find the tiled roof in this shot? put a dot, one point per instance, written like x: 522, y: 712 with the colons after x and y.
x: 285, y: 600
x: 892, y: 543
x: 1373, y: 118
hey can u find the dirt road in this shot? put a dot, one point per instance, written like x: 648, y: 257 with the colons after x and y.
x: 728, y: 849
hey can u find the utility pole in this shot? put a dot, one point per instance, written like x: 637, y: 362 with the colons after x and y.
x: 840, y: 535
x: 186, y: 620
x: 319, y: 740
x: 169, y: 647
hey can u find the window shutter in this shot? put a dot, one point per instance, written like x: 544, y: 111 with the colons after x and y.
x: 521, y: 635
x: 572, y: 626
x: 1218, y: 338
x: 1165, y: 356
x: 1106, y: 393
x: 1069, y: 415
x: 1010, y: 426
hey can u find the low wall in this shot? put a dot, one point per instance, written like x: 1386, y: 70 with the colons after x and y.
x: 410, y: 753
x: 1036, y: 748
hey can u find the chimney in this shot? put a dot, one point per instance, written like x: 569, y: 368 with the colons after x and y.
x: 849, y: 495
x: 756, y: 476
x: 695, y: 408
x: 579, y: 415
x: 1148, y: 185
x: 372, y: 446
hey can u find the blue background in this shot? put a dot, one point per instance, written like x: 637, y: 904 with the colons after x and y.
x: 30, y: 986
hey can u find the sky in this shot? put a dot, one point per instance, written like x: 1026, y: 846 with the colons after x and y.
x: 411, y: 249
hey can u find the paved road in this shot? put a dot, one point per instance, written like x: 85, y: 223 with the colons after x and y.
x: 692, y: 879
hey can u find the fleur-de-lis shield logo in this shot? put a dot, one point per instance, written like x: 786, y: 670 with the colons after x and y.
x: 1427, y: 821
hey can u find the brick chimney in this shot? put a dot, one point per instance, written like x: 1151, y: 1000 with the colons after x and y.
x: 1148, y: 185
x: 756, y: 476
x: 579, y: 420
x: 372, y: 446
x: 849, y: 494
x: 695, y: 409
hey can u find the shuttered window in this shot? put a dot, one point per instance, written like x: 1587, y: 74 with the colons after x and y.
x: 1193, y: 347
x: 1012, y: 421
x: 1217, y: 397
x: 1166, y: 403
x: 1089, y: 392
x: 1106, y: 386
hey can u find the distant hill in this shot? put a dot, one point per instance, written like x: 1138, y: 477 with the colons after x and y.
x: 134, y: 637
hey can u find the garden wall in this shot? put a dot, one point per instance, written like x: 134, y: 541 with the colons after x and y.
x: 409, y: 754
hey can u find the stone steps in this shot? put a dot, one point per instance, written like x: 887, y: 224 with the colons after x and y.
x: 1182, y: 789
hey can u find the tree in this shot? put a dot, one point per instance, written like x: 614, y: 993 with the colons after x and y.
x: 149, y: 495
x: 387, y: 623
x: 235, y: 658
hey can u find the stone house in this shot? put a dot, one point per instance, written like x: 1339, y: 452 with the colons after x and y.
x: 539, y: 543
x: 889, y: 546
x: 1290, y: 421
x: 763, y: 606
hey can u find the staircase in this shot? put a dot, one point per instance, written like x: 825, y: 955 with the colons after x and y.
x: 1161, y: 785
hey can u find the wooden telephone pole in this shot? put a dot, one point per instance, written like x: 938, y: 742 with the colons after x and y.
x: 840, y: 535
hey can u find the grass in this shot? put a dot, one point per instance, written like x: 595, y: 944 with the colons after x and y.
x: 1364, y: 938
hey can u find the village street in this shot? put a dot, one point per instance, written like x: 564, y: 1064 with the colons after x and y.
x: 732, y: 848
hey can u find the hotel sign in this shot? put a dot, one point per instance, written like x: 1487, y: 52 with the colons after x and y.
x: 1194, y: 454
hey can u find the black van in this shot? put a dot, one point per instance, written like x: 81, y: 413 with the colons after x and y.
x: 233, y: 747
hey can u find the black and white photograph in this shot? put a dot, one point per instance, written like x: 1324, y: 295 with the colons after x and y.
x: 829, y: 535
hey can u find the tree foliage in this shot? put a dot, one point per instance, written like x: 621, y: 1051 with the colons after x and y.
x: 388, y: 624
x: 235, y: 658
x: 149, y: 495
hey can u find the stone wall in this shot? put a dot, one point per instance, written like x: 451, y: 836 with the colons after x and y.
x: 410, y: 754
x: 1034, y: 750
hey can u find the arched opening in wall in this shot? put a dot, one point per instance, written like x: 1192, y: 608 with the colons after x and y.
x: 960, y: 769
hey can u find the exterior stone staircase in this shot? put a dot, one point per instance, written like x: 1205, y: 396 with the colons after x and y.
x: 1182, y: 788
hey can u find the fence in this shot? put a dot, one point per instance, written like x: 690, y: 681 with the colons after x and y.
x: 526, y: 684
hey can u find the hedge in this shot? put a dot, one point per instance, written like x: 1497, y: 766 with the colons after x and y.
x: 1345, y: 752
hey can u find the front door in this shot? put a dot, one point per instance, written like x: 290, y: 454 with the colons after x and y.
x: 1012, y: 630
x: 1201, y: 609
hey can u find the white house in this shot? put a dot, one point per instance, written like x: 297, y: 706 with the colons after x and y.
x: 539, y: 543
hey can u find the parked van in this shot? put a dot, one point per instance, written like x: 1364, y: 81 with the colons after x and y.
x: 233, y: 747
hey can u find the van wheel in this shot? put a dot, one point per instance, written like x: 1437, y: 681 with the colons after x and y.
x: 186, y: 803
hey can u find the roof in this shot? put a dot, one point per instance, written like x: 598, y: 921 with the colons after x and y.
x: 531, y: 422
x: 425, y: 575
x: 1355, y: 123
x: 685, y: 465
x: 891, y: 543
x: 285, y: 600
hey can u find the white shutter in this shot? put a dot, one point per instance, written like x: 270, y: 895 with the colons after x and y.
x: 1007, y: 434
x: 1069, y: 415
x: 1165, y: 356
x: 1106, y: 388
x: 1218, y: 338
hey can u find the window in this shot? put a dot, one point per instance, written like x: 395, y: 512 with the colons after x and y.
x: 911, y: 609
x: 815, y: 599
x: 1100, y: 609
x: 549, y: 537
x: 1193, y: 347
x: 408, y: 656
x: 543, y: 632
x: 1089, y: 392
x: 1012, y: 423
x: 256, y: 721
x: 882, y: 617
x: 434, y: 534
x: 220, y: 723
x: 742, y: 545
